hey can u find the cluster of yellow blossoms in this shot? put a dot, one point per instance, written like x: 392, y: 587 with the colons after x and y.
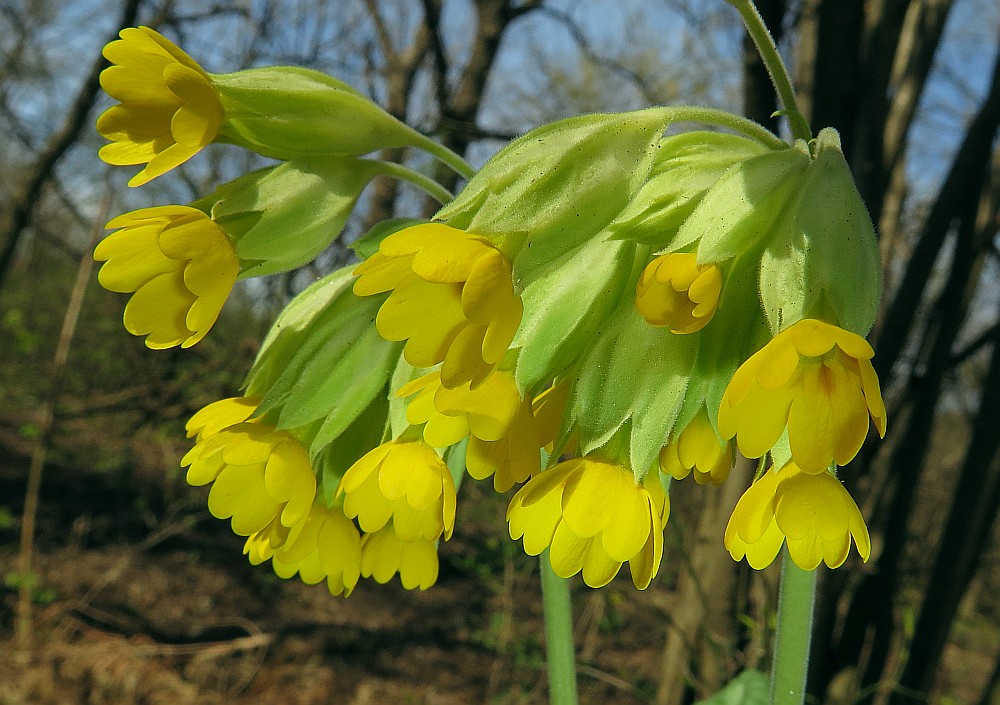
x: 585, y: 360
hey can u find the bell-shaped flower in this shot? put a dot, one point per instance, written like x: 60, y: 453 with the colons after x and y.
x: 677, y: 292
x: 168, y: 109
x: 384, y: 554
x: 405, y: 482
x: 698, y: 449
x: 452, y: 300
x: 813, y: 378
x: 811, y: 512
x: 500, y: 425
x: 592, y: 516
x: 181, y: 267
x: 325, y: 546
x: 258, y: 474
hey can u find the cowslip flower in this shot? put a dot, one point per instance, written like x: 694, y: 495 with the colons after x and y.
x: 812, y: 512
x: 168, y: 109
x: 452, y: 300
x: 325, y: 546
x: 698, y: 449
x: 259, y: 475
x: 592, y: 516
x: 179, y: 266
x: 500, y: 425
x: 675, y: 291
x: 405, y: 482
x: 384, y: 554
x: 220, y: 415
x: 814, y: 378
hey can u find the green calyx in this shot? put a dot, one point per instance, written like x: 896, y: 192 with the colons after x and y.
x: 548, y: 192
x: 288, y: 112
x: 323, y: 365
x: 822, y: 260
x: 283, y: 216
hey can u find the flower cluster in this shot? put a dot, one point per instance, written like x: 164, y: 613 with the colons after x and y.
x: 601, y: 310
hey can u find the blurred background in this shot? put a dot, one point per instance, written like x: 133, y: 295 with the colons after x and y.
x: 118, y: 587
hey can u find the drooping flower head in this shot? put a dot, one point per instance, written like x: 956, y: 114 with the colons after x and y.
x: 675, y: 291
x: 168, y: 108
x: 698, y: 449
x: 405, y: 482
x: 592, y: 516
x: 384, y: 554
x: 181, y: 267
x: 325, y: 545
x: 261, y: 477
x: 452, y: 300
x: 812, y: 512
x: 500, y: 425
x: 814, y: 378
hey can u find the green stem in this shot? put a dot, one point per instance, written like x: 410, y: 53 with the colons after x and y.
x: 421, y: 181
x: 447, y: 157
x: 775, y: 67
x: 791, y: 639
x: 721, y: 118
x: 558, y: 612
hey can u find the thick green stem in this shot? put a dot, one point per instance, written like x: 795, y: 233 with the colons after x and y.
x: 558, y: 612
x: 775, y: 67
x: 421, y: 181
x: 791, y: 639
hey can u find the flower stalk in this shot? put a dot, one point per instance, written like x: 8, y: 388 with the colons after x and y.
x: 557, y: 610
x: 793, y: 634
x: 775, y: 67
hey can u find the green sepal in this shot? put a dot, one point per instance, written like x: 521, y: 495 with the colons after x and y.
x: 291, y: 328
x: 743, y: 205
x: 367, y: 245
x: 282, y: 217
x: 685, y: 167
x: 823, y: 260
x: 403, y: 372
x: 331, y: 368
x: 566, y: 307
x: 549, y: 191
x: 288, y: 112
x: 361, y: 436
x: 634, y: 374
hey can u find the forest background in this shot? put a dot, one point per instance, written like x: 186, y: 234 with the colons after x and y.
x: 118, y: 586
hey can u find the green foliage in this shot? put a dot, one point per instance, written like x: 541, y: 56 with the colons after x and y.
x: 750, y: 687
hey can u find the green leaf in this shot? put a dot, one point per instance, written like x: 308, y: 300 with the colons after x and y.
x: 750, y: 687
x: 333, y: 458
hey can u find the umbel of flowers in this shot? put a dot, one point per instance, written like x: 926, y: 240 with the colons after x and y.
x: 605, y: 306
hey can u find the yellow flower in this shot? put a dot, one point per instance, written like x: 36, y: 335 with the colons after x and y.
x: 503, y: 437
x: 404, y: 481
x: 220, y: 415
x: 812, y: 512
x: 592, y: 516
x: 452, y: 300
x: 817, y: 380
x: 698, y: 448
x: 168, y: 108
x: 259, y: 475
x: 181, y: 266
x: 675, y: 291
x: 383, y: 554
x: 326, y: 545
